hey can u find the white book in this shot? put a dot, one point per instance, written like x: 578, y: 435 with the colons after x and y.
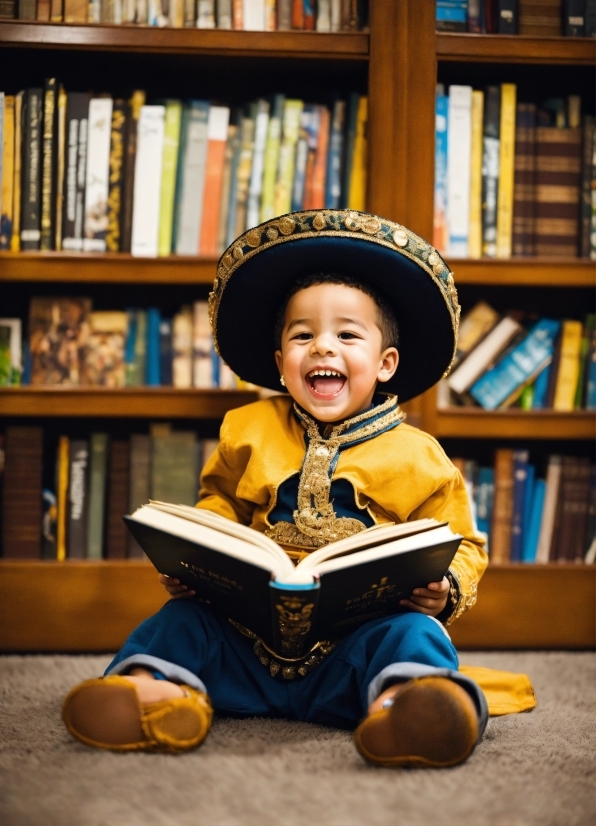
x: 335, y: 15
x: 182, y: 348
x: 202, y: 347
x: 224, y: 14
x: 553, y: 481
x: 324, y: 16
x: 254, y: 15
x: 206, y: 14
x: 98, y: 173
x: 483, y: 355
x: 192, y: 179
x: 258, y: 164
x: 147, y: 185
x: 459, y: 153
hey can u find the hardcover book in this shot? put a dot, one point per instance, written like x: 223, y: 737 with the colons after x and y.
x: 22, y: 486
x: 8, y: 152
x: 191, y: 178
x: 78, y: 499
x: 458, y: 169
x: 171, y: 142
x: 77, y: 120
x: 48, y: 182
x: 97, y: 177
x: 217, y: 133
x: 58, y: 339
x: 251, y: 580
x: 506, y: 171
x: 118, y: 492
x: 524, y: 180
x: 31, y: 189
x: 490, y: 170
x: 116, y: 176
x: 147, y: 183
x: 104, y: 357
x: 98, y: 463
x: 258, y: 162
x: 440, y: 231
x: 558, y: 186
x: 133, y: 113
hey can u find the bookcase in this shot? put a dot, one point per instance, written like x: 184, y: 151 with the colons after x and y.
x: 85, y: 606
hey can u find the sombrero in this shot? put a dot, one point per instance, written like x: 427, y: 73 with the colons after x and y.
x: 257, y: 271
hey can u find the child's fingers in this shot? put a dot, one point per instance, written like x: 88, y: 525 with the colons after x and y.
x: 166, y: 580
x: 419, y: 608
x: 183, y: 595
x: 428, y: 594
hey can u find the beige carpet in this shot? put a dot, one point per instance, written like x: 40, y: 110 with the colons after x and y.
x: 537, y: 768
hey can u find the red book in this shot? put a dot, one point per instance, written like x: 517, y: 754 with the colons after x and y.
x: 217, y: 133
x: 320, y: 169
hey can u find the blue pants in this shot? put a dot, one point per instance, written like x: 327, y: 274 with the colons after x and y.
x: 190, y: 644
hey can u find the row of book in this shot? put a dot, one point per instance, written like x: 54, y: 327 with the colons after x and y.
x: 69, y: 344
x: 98, y: 480
x: 513, y: 178
x: 101, y: 174
x: 533, y: 519
x: 246, y: 15
x: 515, y: 359
x: 550, y: 18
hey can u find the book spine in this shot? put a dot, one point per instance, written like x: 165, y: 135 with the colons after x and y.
x: 500, y: 537
x: 285, y: 178
x: 506, y: 171
x: 440, y: 229
x: 56, y: 11
x: 568, y: 369
x: 232, y: 198
x: 165, y: 352
x: 524, y: 181
x: 590, y: 18
x: 140, y: 473
x: 118, y: 491
x: 31, y: 195
x: 182, y: 344
x: 475, y: 230
x: 299, y: 187
x: 323, y: 16
x: 202, y: 347
x: 319, y: 171
x: 484, y: 499
x: 558, y: 182
x: 43, y: 11
x: 247, y: 132
x: 476, y: 20
x: 15, y: 242
x: 153, y: 362
x: 147, y: 183
x: 520, y: 492
x: 60, y: 165
x: 77, y: 119
x: 540, y: 18
x: 62, y: 466
x: 75, y: 11
x: 133, y: 113
x: 192, y: 181
x: 271, y: 160
x: 115, y: 179
x: 253, y: 15
x: 508, y: 18
x: 78, y: 499
x: 580, y: 510
x: 22, y: 493
x: 490, y: 170
x: 334, y: 159
x: 298, y: 14
x: 458, y: 169
x: 8, y: 9
x: 357, y: 188
x: 531, y: 533
x: 226, y: 187
x: 284, y: 15
x: 97, y: 176
x: 586, y: 185
x: 224, y: 14
x: 574, y: 18
x: 47, y: 172
x: 8, y: 152
x: 171, y: 143
x: 238, y: 14
x: 348, y: 159
x: 258, y: 164
x: 217, y: 133
x: 206, y: 14
x: 97, y: 493
x: 553, y: 478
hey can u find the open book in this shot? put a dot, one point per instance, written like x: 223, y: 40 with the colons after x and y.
x: 249, y: 577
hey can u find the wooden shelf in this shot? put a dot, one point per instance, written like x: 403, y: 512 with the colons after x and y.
x: 154, y: 402
x: 500, y: 48
x: 81, y: 605
x: 109, y: 267
x: 292, y: 44
x: 473, y: 423
x: 534, y: 272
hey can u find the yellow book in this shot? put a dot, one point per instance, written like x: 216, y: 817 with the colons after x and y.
x: 475, y: 231
x: 506, y: 171
x: 568, y: 372
x: 7, y: 173
x: 62, y: 100
x: 15, y: 243
x: 357, y: 193
x: 287, y: 154
x: 169, y: 166
x: 63, y: 466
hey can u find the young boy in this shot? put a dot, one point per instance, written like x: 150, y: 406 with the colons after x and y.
x: 337, y: 307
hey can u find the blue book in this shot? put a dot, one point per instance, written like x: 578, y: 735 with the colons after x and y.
x: 528, y: 499
x: 517, y: 367
x: 153, y: 377
x: 484, y: 498
x: 590, y: 371
x: 532, y: 533
x: 520, y: 477
x: 334, y: 155
x: 301, y: 158
x: 26, y: 377
x: 166, y: 353
x: 453, y: 15
x: 440, y: 205
x: 541, y: 389
x: 129, y: 348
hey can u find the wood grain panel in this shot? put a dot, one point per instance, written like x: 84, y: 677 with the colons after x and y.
x: 517, y: 272
x: 474, y: 423
x: 498, y: 48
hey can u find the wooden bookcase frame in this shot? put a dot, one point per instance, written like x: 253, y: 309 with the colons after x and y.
x: 91, y: 606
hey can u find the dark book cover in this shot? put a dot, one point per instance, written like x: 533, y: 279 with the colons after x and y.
x: 22, y: 493
x: 78, y: 499
x: 31, y: 169
x: 98, y: 463
x: 166, y: 351
x: 48, y: 166
x: 524, y: 180
x: 590, y: 18
x: 574, y: 23
x: 118, y: 492
x: 115, y: 180
x: 476, y: 16
x: 58, y: 339
x: 579, y: 512
x: 508, y: 19
x: 490, y: 169
x: 500, y: 536
x: 139, y: 482
x: 8, y: 9
x: 520, y: 477
x: 553, y: 373
x: 27, y: 9
x: 558, y: 183
x: 133, y: 113
x: 540, y: 18
x: 348, y: 154
x: 586, y: 186
x: 291, y: 618
x: 77, y: 122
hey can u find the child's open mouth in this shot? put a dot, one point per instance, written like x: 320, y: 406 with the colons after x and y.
x: 325, y: 383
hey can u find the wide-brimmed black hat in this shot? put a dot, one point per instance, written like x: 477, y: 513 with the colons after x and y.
x: 256, y: 272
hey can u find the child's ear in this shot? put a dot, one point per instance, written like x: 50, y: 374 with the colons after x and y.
x: 279, y: 361
x: 389, y: 362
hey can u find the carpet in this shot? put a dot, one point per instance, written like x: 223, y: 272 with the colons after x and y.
x: 534, y: 768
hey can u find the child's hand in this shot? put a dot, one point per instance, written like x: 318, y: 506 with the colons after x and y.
x: 431, y: 600
x: 174, y: 587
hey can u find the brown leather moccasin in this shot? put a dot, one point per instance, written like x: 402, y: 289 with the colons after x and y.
x: 106, y: 713
x: 432, y: 722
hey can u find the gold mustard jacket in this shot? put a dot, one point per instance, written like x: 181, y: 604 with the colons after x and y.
x: 400, y: 475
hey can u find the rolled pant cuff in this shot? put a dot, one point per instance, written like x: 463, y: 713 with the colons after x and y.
x: 400, y: 672
x: 172, y: 672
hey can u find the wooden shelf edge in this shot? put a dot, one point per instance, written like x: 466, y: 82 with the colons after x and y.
x: 116, y: 267
x: 472, y: 423
x: 132, y: 38
x: 499, y: 48
x: 535, y: 272
x: 138, y: 402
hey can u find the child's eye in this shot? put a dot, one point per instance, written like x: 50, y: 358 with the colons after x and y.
x: 302, y: 336
x: 346, y: 335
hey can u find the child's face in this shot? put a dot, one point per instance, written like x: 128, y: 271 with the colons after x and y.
x: 333, y: 328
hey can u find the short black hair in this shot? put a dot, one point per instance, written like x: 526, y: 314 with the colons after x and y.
x: 386, y: 320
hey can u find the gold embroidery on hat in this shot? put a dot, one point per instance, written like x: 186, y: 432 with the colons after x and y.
x: 286, y: 225
x: 400, y: 236
x: 318, y: 221
x: 371, y: 225
x: 272, y: 233
x: 253, y: 237
x: 238, y: 252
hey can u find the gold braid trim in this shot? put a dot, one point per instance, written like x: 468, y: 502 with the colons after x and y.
x: 462, y: 596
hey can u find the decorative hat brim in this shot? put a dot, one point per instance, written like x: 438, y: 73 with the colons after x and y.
x: 257, y: 271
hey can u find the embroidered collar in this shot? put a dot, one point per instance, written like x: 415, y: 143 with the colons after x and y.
x: 380, y: 417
